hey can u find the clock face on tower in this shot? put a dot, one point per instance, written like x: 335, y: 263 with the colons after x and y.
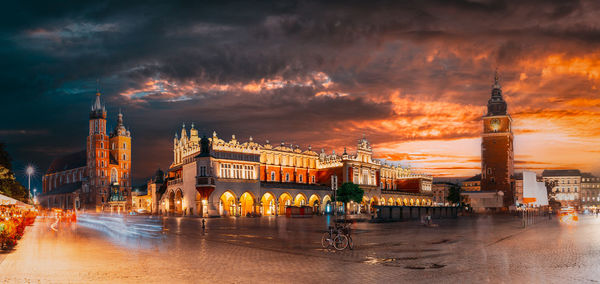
x: 495, y: 124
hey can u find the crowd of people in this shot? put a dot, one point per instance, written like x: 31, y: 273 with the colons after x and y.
x: 13, y: 221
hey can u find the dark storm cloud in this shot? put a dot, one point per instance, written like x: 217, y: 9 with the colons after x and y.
x: 445, y: 51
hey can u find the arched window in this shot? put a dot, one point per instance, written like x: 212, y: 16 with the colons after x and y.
x: 114, y: 175
x: 101, y: 145
x: 124, y: 156
x: 272, y: 176
x: 124, y: 145
x: 287, y: 177
x: 300, y: 178
x: 313, y: 179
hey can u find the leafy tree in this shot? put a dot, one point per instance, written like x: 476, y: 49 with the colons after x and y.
x: 454, y: 194
x: 4, y: 157
x: 349, y: 192
x: 9, y: 186
x: 550, y: 185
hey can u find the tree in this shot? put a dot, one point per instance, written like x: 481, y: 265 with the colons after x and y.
x: 550, y: 185
x: 454, y: 194
x: 9, y: 186
x: 349, y: 192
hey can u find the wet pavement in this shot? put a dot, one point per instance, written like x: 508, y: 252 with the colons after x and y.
x: 137, y: 249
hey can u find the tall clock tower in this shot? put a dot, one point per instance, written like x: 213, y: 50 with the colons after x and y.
x: 497, y: 155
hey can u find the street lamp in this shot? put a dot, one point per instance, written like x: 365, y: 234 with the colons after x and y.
x: 30, y: 170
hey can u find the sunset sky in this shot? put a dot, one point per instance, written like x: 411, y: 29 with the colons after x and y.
x: 413, y: 76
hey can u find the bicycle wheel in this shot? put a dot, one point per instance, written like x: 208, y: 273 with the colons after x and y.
x: 340, y: 242
x: 350, y: 243
x: 326, y: 240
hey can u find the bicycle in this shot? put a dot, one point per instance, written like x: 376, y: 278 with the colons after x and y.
x: 345, y: 229
x: 334, y: 238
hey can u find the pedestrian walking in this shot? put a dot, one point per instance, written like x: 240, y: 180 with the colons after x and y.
x: 203, y: 223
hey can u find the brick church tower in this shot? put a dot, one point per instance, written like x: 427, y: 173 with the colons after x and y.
x: 497, y: 155
x: 97, y: 155
x: 108, y: 163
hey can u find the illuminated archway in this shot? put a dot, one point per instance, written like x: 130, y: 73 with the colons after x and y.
x: 418, y: 202
x: 398, y: 201
x: 268, y: 204
x: 314, y: 202
x: 227, y: 206
x: 300, y: 199
x: 412, y: 202
x: 327, y: 205
x: 247, y: 203
x: 171, y: 202
x: 405, y: 202
x: 178, y: 202
x: 364, y: 205
x: 390, y: 201
x: 285, y: 199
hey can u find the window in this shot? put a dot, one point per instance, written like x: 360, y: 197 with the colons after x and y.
x: 124, y: 157
x: 202, y: 171
x: 101, y: 145
x: 287, y: 177
x: 272, y: 176
x: 225, y: 170
x: 300, y: 178
x: 124, y: 145
x: 237, y: 171
x: 489, y: 171
x: 313, y: 179
x: 249, y: 172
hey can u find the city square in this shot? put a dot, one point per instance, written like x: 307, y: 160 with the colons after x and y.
x: 282, y: 250
x: 300, y: 141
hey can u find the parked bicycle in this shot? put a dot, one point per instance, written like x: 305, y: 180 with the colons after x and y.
x: 338, y: 237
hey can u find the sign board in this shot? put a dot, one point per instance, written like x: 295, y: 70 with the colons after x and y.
x: 334, y: 183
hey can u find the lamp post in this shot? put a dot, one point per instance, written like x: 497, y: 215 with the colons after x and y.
x: 334, y: 186
x: 29, y: 171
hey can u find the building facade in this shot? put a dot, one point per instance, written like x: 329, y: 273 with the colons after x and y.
x: 472, y: 184
x: 214, y: 177
x: 98, y: 178
x: 497, y: 155
x: 567, y: 187
x: 440, y: 193
x: 590, y: 191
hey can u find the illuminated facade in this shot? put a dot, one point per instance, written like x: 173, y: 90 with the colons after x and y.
x: 497, y: 154
x: 590, y: 191
x: 568, y: 186
x: 98, y: 178
x: 213, y: 177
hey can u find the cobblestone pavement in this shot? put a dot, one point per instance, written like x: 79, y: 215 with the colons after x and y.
x: 281, y: 250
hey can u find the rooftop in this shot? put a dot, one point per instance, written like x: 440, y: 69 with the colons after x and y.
x: 68, y: 162
x: 561, y: 173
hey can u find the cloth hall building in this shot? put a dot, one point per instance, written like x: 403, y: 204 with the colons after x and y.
x: 214, y: 177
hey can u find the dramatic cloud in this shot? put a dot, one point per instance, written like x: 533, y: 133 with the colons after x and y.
x: 413, y: 76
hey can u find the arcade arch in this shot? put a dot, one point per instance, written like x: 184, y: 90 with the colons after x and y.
x: 227, y: 206
x: 246, y: 203
x: 268, y: 206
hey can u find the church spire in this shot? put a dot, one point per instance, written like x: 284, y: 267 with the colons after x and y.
x: 496, y: 104
x: 98, y: 110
